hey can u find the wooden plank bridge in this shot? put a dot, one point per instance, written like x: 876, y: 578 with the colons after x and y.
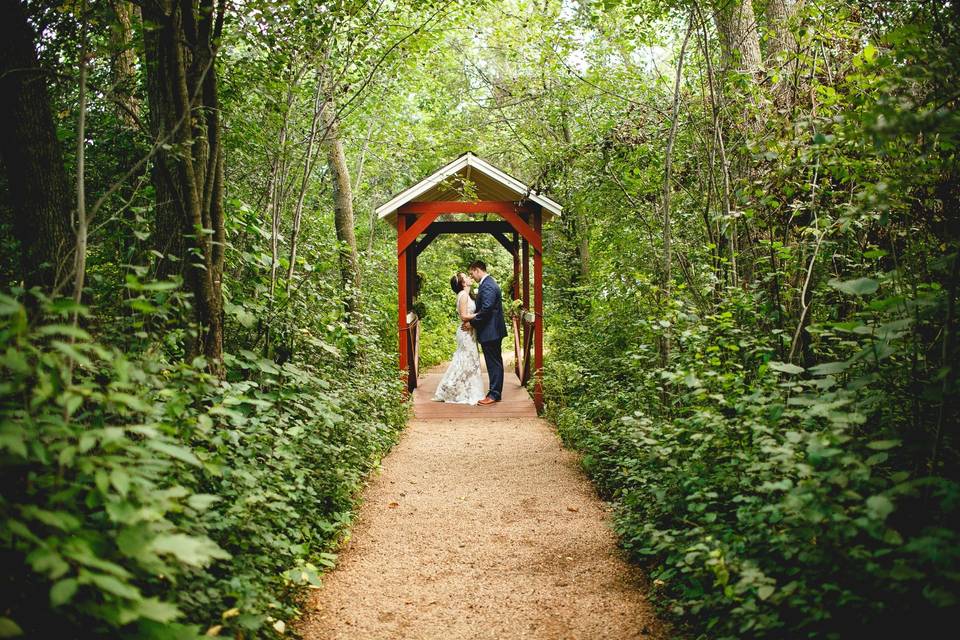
x: 516, y: 402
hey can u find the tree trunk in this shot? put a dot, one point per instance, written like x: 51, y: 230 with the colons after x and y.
x: 342, y: 209
x: 123, y: 61
x: 668, y: 190
x: 739, y: 38
x: 169, y: 221
x: 180, y: 53
x: 582, y: 222
x: 309, y: 161
x: 81, y: 222
x: 740, y: 48
x: 718, y: 148
x: 782, y: 48
x: 39, y: 188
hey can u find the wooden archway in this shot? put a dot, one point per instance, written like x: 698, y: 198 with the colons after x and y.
x: 417, y: 213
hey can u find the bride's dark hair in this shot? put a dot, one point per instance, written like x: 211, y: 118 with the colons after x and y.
x: 456, y: 282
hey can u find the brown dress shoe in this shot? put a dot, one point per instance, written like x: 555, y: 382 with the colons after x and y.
x: 486, y: 401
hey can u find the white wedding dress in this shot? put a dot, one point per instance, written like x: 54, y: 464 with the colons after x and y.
x: 462, y: 382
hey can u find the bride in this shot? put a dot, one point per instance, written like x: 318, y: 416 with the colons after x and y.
x: 463, y: 383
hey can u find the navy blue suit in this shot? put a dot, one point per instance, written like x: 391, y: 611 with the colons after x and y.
x: 491, y: 330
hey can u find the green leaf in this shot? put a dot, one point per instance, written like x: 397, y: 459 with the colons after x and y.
x: 63, y: 520
x: 129, y: 401
x: 855, y: 287
x: 785, y: 367
x: 883, y: 445
x: 71, y: 352
x: 9, y: 306
x: 174, y: 451
x: 202, y: 501
x: 120, y: 480
x: 765, y: 591
x: 9, y: 628
x: 82, y: 553
x: 692, y: 381
x: 62, y: 592
x: 158, y: 610
x: 13, y: 442
x: 18, y: 528
x: 47, y: 561
x: 879, y: 507
x: 829, y: 368
x: 193, y: 550
x: 63, y: 330
x: 112, y: 585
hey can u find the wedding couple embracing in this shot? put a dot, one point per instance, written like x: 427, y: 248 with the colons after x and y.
x: 481, y: 321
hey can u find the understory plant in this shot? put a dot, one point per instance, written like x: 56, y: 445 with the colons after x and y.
x: 145, y: 497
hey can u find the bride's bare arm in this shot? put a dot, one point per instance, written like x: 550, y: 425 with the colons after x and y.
x: 462, y: 309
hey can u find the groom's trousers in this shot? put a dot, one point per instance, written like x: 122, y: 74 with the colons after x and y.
x: 494, y: 360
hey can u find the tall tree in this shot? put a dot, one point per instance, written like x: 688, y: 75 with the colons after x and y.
x: 668, y: 191
x: 739, y: 38
x: 342, y: 208
x: 180, y: 47
x: 123, y: 60
x: 781, y: 47
x: 39, y: 188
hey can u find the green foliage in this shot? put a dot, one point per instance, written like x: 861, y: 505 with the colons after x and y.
x: 778, y: 445
x: 775, y: 421
x: 146, y: 498
x: 771, y: 505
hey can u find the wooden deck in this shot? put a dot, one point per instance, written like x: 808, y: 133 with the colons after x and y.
x: 516, y: 402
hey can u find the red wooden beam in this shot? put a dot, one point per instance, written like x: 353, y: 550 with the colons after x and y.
x: 523, y: 228
x: 402, y: 300
x: 405, y: 238
x: 538, y: 310
x: 427, y: 212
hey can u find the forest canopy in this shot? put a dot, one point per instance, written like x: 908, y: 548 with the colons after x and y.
x: 750, y: 298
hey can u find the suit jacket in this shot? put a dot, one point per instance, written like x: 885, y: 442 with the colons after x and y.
x: 489, y: 321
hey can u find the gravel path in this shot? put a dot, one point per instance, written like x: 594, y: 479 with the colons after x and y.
x: 482, y: 529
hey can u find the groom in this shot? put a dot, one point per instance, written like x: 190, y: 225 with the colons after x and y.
x: 491, y: 328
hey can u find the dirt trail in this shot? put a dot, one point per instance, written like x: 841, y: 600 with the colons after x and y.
x: 481, y: 528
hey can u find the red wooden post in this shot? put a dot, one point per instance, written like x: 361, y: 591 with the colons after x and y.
x: 516, y: 267
x: 402, y: 300
x: 411, y: 276
x: 525, y: 274
x: 538, y: 310
x: 515, y: 295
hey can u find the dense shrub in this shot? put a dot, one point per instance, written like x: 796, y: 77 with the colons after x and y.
x: 769, y: 501
x: 774, y: 416
x: 144, y: 497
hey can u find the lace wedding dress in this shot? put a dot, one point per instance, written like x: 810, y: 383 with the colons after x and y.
x: 462, y: 382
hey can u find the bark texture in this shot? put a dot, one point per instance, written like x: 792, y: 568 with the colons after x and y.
x: 739, y: 38
x: 180, y: 51
x: 39, y: 189
x: 342, y: 208
x: 782, y: 48
x: 123, y: 60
